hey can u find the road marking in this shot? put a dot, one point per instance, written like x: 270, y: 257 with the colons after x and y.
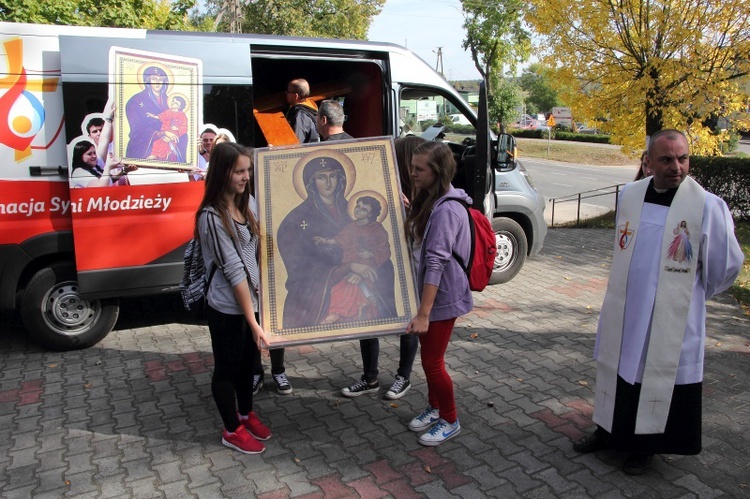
x: 590, y: 178
x: 563, y: 185
x: 555, y: 173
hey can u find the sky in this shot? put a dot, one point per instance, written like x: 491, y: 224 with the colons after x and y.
x: 423, y: 27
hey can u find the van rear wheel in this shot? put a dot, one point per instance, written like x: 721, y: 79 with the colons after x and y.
x: 57, y: 317
x: 512, y: 247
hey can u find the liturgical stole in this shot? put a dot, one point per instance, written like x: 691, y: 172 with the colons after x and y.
x: 677, y: 265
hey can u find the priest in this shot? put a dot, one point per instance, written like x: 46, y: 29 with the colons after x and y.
x: 674, y: 248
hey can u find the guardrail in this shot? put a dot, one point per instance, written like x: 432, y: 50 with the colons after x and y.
x: 603, y: 191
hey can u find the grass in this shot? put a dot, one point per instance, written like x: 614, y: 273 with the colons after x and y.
x: 574, y: 152
x: 741, y: 287
x: 605, y: 221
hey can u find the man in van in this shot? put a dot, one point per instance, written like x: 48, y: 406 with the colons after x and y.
x: 330, y: 121
x: 302, y: 111
x: 207, y: 137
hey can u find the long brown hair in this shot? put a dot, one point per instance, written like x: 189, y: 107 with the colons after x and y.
x: 404, y: 151
x: 224, y: 157
x: 440, y: 159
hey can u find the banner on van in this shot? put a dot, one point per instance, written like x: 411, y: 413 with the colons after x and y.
x: 159, y: 106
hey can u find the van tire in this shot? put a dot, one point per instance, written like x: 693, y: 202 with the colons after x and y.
x: 57, y: 317
x: 512, y: 248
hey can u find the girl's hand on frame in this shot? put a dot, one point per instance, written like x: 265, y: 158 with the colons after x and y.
x: 418, y: 325
x: 260, y: 337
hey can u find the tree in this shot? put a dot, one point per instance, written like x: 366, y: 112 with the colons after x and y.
x: 496, y: 37
x: 152, y: 14
x: 650, y: 64
x: 541, y: 96
x: 504, y: 102
x: 348, y: 19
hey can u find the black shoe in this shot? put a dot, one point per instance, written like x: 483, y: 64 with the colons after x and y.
x: 637, y: 464
x: 283, y: 387
x: 257, y: 383
x: 591, y: 443
x: 360, y: 388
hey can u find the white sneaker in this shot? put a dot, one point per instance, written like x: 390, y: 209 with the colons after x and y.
x: 427, y: 418
x: 442, y: 431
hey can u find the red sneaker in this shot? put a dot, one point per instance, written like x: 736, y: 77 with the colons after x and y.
x: 255, y: 427
x: 241, y: 440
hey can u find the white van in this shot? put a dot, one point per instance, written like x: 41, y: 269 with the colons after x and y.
x: 460, y: 119
x: 68, y: 255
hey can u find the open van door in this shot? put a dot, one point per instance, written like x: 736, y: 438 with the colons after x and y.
x: 481, y: 178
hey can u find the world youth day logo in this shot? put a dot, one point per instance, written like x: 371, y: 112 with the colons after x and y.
x: 625, y: 236
x: 21, y: 112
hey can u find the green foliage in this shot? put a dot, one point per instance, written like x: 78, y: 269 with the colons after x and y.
x: 348, y: 19
x: 495, y: 34
x: 496, y: 37
x: 728, y: 178
x: 505, y: 99
x: 582, y: 137
x: 530, y: 134
x: 460, y: 129
x: 150, y: 14
x: 540, y: 95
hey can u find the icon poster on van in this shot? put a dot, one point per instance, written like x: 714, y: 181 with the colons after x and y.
x: 158, y: 108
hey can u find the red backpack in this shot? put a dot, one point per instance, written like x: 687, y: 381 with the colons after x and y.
x: 483, y: 250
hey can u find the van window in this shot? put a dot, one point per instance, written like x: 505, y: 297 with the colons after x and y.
x: 359, y: 84
x: 420, y: 108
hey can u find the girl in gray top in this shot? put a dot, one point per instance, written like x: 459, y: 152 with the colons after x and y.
x: 228, y: 233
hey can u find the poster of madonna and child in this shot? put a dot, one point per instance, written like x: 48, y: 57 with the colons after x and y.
x: 336, y: 262
x: 158, y: 108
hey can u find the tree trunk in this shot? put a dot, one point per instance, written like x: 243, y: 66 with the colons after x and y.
x: 654, y: 107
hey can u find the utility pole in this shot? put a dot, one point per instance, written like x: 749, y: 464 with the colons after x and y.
x: 439, y: 63
x: 233, y: 9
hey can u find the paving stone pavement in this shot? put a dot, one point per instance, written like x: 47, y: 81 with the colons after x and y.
x: 133, y: 416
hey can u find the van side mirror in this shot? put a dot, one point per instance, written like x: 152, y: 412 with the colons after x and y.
x: 505, y: 151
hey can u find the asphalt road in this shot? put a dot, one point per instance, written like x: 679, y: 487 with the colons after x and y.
x: 555, y: 179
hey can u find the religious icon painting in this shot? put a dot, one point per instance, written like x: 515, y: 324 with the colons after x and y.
x: 680, y: 250
x: 158, y: 108
x: 334, y: 260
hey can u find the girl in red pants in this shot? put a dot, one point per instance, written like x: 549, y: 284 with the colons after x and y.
x: 438, y: 225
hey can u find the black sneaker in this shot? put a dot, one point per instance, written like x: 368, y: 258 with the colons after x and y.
x: 282, y: 384
x: 361, y: 387
x: 257, y: 383
x: 399, y: 388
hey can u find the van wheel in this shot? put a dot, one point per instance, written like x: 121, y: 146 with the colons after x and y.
x: 57, y: 317
x: 511, y: 250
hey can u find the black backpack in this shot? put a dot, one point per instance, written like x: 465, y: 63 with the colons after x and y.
x: 194, y: 284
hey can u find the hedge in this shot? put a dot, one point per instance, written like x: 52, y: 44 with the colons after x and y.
x: 530, y: 134
x: 582, y: 137
x: 728, y: 178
